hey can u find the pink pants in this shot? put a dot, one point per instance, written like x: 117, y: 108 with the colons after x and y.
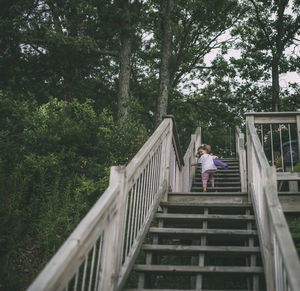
x: 208, y: 175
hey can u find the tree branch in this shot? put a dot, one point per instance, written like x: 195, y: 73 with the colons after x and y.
x: 261, y: 24
x: 36, y: 49
x: 107, y: 53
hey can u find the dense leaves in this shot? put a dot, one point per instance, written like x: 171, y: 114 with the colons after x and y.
x: 54, y: 165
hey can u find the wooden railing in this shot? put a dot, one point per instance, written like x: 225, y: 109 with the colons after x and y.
x: 279, y: 133
x: 241, y: 156
x: 98, y: 255
x: 281, y: 262
x: 189, y: 158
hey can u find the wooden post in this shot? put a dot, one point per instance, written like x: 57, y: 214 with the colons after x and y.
x: 166, y: 157
x: 269, y: 180
x: 114, y: 233
x: 249, y: 118
x: 298, y: 135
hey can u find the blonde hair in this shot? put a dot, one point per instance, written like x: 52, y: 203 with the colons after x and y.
x: 207, y: 147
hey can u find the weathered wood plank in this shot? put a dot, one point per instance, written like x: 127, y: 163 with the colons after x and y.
x: 227, y: 184
x: 192, y: 231
x: 199, y: 248
x: 207, y: 198
x: 282, y: 235
x: 201, y: 204
x: 219, y: 188
x: 203, y: 216
x: 289, y: 201
x: 197, y: 269
x: 298, y: 134
x: 194, y: 193
x: 286, y: 176
x: 273, y: 117
x: 177, y: 290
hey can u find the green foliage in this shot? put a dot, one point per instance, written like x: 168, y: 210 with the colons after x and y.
x: 296, y: 168
x: 54, y: 165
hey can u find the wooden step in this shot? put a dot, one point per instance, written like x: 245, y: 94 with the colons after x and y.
x: 197, y: 269
x: 227, y: 189
x: 230, y: 167
x: 215, y: 193
x: 196, y: 231
x: 220, y: 178
x: 205, y: 204
x: 185, y: 216
x: 208, y: 197
x: 221, y: 175
x: 143, y: 289
x: 219, y: 183
x: 200, y: 249
x: 228, y: 171
x: 228, y: 161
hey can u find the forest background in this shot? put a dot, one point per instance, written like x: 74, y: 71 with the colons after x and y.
x: 83, y: 84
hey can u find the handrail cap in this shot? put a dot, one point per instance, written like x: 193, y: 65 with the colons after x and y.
x: 284, y: 113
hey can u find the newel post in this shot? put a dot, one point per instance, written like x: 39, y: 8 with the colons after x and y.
x: 298, y: 134
x: 166, y: 157
x: 114, y: 233
x: 243, y: 163
x: 269, y: 232
x: 249, y: 119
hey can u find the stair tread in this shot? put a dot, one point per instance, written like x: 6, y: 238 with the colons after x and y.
x: 175, y: 230
x: 218, y: 188
x: 181, y: 290
x: 221, y: 182
x: 204, y: 216
x: 288, y: 193
x: 198, y: 269
x: 197, y: 248
x: 205, y: 204
x: 221, y: 170
x: 208, y: 193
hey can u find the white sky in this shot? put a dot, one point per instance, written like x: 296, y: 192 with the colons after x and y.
x: 284, y: 78
x: 290, y: 77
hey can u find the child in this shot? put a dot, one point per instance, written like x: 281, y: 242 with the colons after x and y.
x: 208, y: 167
x: 217, y: 162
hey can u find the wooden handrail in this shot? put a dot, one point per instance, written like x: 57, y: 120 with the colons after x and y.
x: 282, y: 266
x: 176, y: 142
x: 103, y: 247
x: 274, y: 117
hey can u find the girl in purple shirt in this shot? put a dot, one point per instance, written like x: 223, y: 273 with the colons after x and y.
x: 208, y: 167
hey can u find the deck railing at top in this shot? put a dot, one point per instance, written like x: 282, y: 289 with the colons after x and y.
x: 282, y: 267
x: 98, y: 255
x: 279, y: 133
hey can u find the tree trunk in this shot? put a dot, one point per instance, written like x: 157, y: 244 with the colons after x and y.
x: 124, y: 74
x: 275, y: 84
x: 164, y: 74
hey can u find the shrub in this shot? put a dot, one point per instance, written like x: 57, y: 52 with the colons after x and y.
x: 54, y: 164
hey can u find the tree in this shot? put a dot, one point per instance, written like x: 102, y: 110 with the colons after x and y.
x: 197, y: 27
x: 125, y: 69
x: 166, y: 51
x: 268, y: 31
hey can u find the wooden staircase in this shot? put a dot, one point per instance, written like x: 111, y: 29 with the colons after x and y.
x: 202, y: 241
